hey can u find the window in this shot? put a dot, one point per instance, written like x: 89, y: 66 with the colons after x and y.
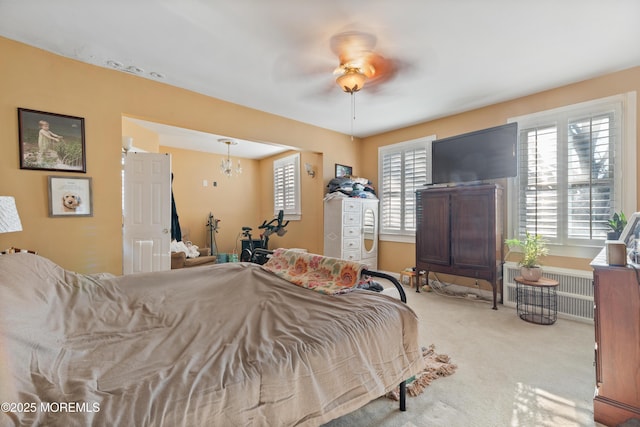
x: 286, y: 186
x: 570, y: 174
x: 402, y: 169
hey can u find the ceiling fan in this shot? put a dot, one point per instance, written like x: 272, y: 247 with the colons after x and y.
x: 359, y: 64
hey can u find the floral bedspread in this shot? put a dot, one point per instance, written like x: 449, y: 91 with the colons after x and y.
x: 326, y: 275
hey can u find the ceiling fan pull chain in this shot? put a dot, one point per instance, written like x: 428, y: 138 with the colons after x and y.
x: 353, y: 105
x: 353, y: 111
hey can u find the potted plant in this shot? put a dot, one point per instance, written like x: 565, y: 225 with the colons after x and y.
x: 617, y: 223
x: 533, y: 247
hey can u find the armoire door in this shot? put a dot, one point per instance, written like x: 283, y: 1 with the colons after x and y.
x: 473, y: 226
x: 433, y: 242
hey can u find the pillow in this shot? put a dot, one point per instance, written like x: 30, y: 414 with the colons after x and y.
x: 326, y: 275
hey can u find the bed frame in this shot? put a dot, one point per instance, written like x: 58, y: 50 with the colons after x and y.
x: 403, y: 298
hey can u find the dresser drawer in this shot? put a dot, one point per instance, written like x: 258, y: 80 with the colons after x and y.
x: 351, y: 255
x: 351, y: 232
x: 351, y: 205
x: 351, y: 218
x: 352, y: 244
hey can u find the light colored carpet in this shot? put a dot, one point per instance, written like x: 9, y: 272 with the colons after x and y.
x: 509, y: 372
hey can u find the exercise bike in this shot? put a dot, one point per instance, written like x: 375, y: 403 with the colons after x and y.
x: 253, y: 253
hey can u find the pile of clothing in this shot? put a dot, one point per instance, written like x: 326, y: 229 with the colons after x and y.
x: 188, y: 248
x: 353, y: 187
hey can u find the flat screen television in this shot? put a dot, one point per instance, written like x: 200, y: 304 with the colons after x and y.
x: 482, y: 155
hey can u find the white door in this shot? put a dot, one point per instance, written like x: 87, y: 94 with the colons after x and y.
x: 146, y: 221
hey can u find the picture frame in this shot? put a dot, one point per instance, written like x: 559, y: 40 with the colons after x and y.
x: 50, y: 141
x: 630, y: 231
x: 70, y: 196
x: 343, y: 170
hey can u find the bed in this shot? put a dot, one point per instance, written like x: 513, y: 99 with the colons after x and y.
x: 230, y: 344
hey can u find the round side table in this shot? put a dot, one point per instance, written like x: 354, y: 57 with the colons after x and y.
x: 537, y: 302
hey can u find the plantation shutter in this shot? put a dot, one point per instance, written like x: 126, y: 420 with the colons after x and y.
x: 286, y: 185
x: 567, y: 176
x: 404, y: 168
x: 391, y: 191
x: 590, y: 186
x: 538, y: 173
x: 415, y: 177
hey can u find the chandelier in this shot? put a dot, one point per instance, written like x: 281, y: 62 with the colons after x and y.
x: 226, y: 165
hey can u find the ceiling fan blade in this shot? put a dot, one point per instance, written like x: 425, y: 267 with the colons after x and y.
x: 355, y: 53
x: 301, y: 67
x: 355, y: 49
x: 351, y: 45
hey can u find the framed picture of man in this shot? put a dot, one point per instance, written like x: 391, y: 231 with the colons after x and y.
x: 50, y: 141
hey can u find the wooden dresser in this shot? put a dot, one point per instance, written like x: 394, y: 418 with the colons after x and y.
x: 617, y: 347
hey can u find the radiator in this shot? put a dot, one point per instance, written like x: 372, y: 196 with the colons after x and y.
x: 575, y: 291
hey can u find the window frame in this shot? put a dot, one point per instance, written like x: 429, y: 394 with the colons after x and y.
x: 624, y: 164
x: 294, y: 160
x: 404, y: 236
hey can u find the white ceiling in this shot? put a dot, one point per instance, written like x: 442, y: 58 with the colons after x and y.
x: 187, y: 139
x: 274, y: 55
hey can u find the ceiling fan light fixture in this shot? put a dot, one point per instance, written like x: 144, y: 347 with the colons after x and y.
x: 352, y: 80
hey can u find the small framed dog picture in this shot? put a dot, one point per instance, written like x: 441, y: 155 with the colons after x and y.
x: 70, y: 196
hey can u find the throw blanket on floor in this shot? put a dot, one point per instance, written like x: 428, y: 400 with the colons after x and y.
x: 437, y: 366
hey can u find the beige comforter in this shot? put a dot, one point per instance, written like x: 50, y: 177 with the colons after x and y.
x: 221, y: 345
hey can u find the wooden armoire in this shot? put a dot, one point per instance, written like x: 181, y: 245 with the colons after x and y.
x: 459, y: 232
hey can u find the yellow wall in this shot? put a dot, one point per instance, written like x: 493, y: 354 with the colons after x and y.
x: 143, y: 138
x: 232, y: 200
x: 299, y: 233
x: 35, y: 79
x: 242, y: 200
x: 397, y: 256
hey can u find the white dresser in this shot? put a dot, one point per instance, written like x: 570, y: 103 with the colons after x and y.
x: 351, y: 230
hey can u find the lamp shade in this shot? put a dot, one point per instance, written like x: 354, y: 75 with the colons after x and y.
x: 352, y: 80
x: 127, y: 143
x: 9, y: 219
